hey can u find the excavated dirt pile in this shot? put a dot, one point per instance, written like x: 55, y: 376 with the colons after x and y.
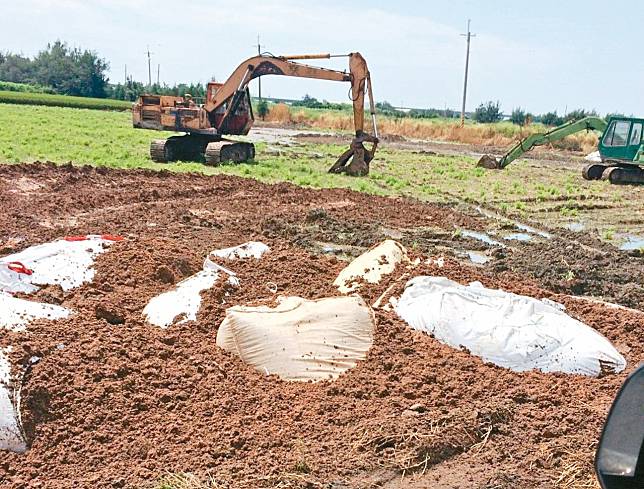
x: 115, y: 402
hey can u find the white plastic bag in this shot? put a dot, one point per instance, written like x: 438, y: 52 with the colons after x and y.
x: 16, y: 313
x: 66, y: 262
x: 251, y: 249
x: 11, y: 433
x: 509, y: 330
x: 300, y: 340
x: 182, y: 303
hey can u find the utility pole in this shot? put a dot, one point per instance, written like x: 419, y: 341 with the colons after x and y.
x: 126, y: 74
x: 259, y: 79
x: 467, y: 65
x: 149, y: 68
x: 158, y: 71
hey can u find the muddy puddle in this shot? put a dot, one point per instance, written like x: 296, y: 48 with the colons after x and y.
x: 632, y: 242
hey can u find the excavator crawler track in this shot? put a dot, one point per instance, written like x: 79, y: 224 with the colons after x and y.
x: 160, y: 151
x: 221, y: 151
x: 175, y: 148
x: 621, y: 175
x: 593, y: 171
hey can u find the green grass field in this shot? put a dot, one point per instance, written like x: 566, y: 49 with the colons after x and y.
x: 541, y: 192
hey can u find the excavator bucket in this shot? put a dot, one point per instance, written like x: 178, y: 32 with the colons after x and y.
x: 490, y: 162
x: 355, y: 161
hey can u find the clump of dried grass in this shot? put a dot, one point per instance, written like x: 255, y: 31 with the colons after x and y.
x: 412, y: 444
x: 498, y: 135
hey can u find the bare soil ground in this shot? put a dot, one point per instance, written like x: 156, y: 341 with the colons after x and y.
x: 114, y: 402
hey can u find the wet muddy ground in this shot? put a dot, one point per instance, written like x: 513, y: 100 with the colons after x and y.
x: 544, y: 186
x: 115, y: 402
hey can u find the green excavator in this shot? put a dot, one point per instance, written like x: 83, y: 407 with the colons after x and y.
x: 620, y: 153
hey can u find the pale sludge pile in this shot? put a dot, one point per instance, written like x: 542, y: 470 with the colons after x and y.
x: 300, y: 340
x: 371, y: 266
x: 513, y: 331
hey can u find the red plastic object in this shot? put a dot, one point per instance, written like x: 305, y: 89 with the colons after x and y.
x: 18, y: 267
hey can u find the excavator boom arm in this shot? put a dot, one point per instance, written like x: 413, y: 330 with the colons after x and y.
x: 269, y: 65
x: 560, y: 132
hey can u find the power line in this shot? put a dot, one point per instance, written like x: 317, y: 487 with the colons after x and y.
x: 469, y: 35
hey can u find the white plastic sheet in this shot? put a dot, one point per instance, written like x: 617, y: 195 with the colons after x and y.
x: 300, y: 340
x: 371, y: 266
x: 65, y: 262
x: 11, y: 434
x: 509, y: 330
x: 182, y: 303
x: 251, y: 249
x: 16, y: 313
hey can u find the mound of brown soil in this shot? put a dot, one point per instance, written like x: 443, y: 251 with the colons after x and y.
x: 114, y: 402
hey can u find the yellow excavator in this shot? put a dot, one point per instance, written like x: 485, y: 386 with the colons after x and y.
x: 228, y: 111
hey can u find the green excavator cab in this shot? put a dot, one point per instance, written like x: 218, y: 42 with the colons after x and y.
x: 622, y: 140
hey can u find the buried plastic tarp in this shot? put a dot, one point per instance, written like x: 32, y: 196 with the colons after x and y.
x: 183, y: 302
x: 252, y: 249
x: 16, y: 313
x: 65, y: 262
x: 11, y: 434
x: 300, y: 340
x: 509, y: 330
x: 371, y: 266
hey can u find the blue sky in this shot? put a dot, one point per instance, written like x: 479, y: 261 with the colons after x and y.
x: 545, y: 55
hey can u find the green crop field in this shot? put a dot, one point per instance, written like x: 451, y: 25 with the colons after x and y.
x: 540, y: 191
x: 30, y: 98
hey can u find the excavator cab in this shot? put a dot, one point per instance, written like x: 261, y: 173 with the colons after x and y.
x: 239, y: 119
x: 622, y: 141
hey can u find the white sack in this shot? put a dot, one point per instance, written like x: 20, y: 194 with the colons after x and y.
x: 509, y: 330
x: 184, y: 300
x: 16, y: 313
x: 371, y: 266
x: 65, y: 262
x: 11, y: 434
x: 300, y: 340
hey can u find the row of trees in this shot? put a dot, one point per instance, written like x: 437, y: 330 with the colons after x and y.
x: 491, y: 112
x: 72, y: 71
x: 65, y: 70
x: 384, y: 108
x: 132, y: 89
x: 485, y: 113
